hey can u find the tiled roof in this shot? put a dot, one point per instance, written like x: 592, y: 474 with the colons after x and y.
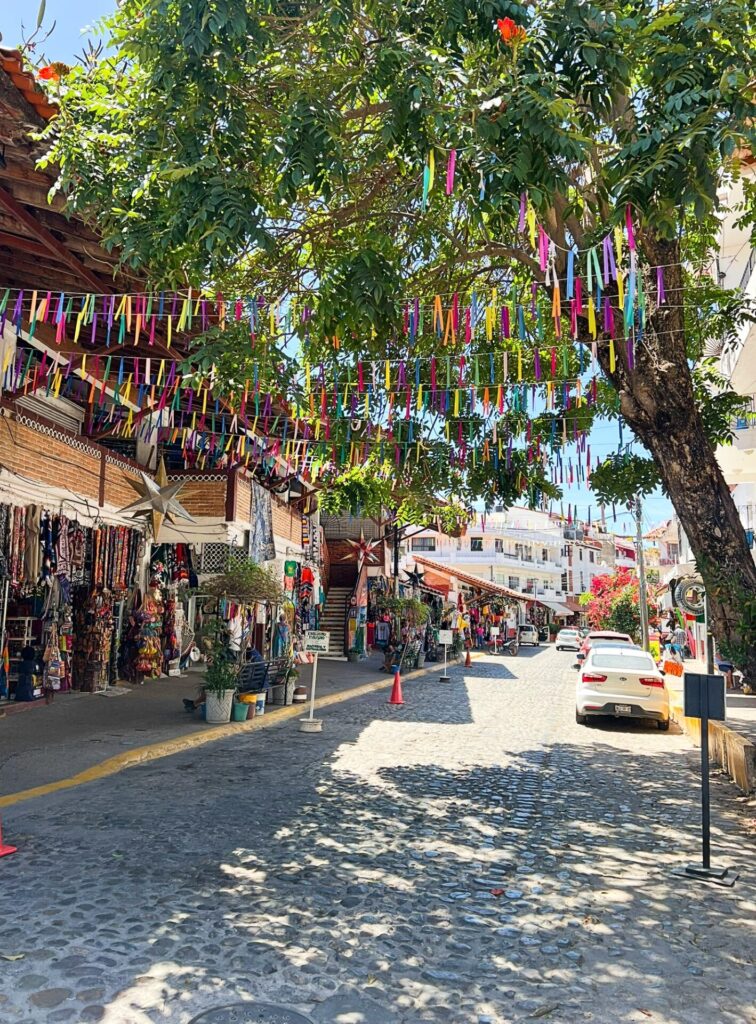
x: 12, y: 63
x: 473, y: 581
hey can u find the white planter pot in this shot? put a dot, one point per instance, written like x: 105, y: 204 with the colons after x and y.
x: 218, y: 709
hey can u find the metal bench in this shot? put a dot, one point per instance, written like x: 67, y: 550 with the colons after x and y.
x: 261, y: 675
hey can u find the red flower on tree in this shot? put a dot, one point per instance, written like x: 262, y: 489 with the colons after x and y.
x: 511, y: 33
x: 53, y: 72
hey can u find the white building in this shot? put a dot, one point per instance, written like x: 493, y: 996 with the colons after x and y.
x: 736, y: 268
x: 529, y: 551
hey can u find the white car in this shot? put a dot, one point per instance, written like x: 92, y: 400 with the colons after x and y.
x: 623, y: 682
x: 529, y: 635
x: 568, y: 640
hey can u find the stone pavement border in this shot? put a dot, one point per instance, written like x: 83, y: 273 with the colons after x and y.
x: 210, y: 734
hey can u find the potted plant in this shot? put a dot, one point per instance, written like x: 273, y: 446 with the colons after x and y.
x: 220, y: 687
x: 353, y: 655
x: 290, y: 683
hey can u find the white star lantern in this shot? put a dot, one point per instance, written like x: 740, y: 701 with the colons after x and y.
x: 158, y: 500
x: 363, y: 549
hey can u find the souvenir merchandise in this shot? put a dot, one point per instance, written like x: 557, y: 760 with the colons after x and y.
x: 150, y: 655
x: 62, y: 579
x: 93, y: 636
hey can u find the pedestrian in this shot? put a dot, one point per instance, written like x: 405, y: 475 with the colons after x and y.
x: 679, y: 640
x: 480, y: 636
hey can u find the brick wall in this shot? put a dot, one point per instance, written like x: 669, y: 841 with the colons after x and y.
x: 287, y: 524
x: 243, y: 501
x: 60, y: 460
x: 203, y: 496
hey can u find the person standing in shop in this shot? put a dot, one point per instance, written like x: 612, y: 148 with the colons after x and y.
x: 29, y: 667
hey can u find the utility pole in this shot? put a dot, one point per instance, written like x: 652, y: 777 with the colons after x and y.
x: 396, y: 555
x: 643, y: 595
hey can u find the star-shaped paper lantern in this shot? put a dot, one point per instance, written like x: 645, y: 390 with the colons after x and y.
x: 415, y: 578
x: 363, y: 549
x: 158, y: 500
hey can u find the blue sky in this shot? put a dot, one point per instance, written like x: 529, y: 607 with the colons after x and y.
x: 69, y: 16
x: 73, y: 24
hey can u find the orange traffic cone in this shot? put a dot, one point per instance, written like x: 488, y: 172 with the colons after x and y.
x: 4, y: 849
x: 468, y: 659
x: 396, y: 690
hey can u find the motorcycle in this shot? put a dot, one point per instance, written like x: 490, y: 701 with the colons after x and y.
x: 511, y: 647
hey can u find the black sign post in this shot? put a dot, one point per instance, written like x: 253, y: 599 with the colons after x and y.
x: 705, y: 699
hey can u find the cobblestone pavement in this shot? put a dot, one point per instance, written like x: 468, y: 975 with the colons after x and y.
x: 474, y: 857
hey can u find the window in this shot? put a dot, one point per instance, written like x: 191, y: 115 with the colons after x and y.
x: 514, y: 582
x: 544, y: 554
x: 476, y: 543
x: 423, y: 543
x: 591, y: 557
x: 499, y: 546
x: 580, y: 554
x: 639, y: 662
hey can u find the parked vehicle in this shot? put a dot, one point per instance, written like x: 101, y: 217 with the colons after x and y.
x: 600, y: 635
x: 528, y: 634
x: 568, y: 640
x: 511, y: 647
x: 622, y: 682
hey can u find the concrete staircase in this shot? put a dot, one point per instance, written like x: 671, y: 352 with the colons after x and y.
x: 333, y: 619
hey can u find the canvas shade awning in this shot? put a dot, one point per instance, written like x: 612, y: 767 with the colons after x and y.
x: 557, y: 608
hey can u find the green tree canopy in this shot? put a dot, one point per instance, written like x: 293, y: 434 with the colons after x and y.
x: 266, y: 148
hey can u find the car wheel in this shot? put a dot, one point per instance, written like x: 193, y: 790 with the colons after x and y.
x: 663, y: 726
x: 580, y: 719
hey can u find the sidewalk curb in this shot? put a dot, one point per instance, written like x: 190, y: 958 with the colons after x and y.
x: 734, y: 753
x: 192, y: 740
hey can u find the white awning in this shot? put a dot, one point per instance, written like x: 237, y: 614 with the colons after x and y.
x: 556, y: 607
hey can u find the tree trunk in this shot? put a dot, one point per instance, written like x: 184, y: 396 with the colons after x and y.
x: 657, y: 401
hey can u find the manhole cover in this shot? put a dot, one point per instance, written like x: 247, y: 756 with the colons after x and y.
x: 251, y: 1013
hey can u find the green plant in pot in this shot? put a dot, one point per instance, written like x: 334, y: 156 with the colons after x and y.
x: 220, y: 685
x: 291, y: 678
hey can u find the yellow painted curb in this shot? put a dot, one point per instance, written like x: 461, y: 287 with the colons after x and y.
x: 165, y: 748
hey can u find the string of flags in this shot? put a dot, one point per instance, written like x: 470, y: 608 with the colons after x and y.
x: 602, y: 284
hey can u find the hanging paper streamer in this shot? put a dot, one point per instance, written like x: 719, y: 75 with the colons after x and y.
x: 450, y: 168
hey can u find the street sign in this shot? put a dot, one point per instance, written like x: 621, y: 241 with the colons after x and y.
x: 704, y: 696
x: 705, y: 699
x: 446, y: 637
x: 317, y: 641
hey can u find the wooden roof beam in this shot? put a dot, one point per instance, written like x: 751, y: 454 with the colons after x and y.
x: 51, y: 243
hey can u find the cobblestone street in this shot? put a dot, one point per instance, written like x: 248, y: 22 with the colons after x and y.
x: 474, y: 857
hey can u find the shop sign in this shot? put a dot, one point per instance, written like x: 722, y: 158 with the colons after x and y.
x: 317, y: 641
x: 495, y: 631
x: 446, y: 637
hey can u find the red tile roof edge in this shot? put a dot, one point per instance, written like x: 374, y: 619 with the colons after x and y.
x: 12, y: 63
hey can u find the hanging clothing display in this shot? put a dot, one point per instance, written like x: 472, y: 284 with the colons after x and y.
x: 63, y: 578
x: 6, y: 516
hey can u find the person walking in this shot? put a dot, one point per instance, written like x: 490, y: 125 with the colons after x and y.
x: 679, y: 640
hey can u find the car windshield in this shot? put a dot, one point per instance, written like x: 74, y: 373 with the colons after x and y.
x: 567, y: 632
x: 639, y: 662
